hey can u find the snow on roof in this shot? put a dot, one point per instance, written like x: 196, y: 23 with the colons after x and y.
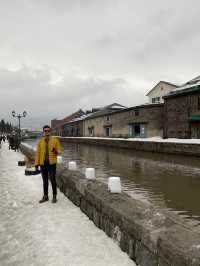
x: 79, y: 118
x: 108, y: 109
x: 186, y: 86
x: 114, y: 106
x: 194, y: 80
x: 189, y: 84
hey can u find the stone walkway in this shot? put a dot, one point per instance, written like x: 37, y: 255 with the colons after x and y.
x: 33, y: 234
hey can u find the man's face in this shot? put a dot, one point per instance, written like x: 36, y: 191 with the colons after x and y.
x: 47, y: 131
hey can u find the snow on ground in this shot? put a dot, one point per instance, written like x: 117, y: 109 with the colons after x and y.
x: 153, y: 139
x: 170, y: 140
x: 33, y: 234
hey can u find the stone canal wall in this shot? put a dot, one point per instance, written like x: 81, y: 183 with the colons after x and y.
x: 149, y: 146
x: 149, y: 236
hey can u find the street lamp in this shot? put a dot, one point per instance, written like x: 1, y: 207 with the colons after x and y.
x: 19, y: 116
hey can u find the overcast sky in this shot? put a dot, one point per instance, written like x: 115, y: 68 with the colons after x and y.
x: 57, y: 56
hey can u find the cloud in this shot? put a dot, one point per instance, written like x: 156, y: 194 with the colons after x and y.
x: 58, y: 56
x: 32, y: 90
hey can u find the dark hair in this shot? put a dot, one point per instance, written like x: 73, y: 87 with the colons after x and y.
x: 46, y: 126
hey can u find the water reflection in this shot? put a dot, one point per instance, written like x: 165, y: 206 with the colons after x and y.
x: 172, y: 182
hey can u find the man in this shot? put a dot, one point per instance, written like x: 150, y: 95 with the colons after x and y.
x: 16, y: 142
x: 47, y: 150
x: 11, y: 141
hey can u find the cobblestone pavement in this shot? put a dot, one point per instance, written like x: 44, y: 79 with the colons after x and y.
x: 46, y: 234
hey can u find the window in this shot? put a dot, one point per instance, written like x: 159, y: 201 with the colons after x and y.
x: 156, y: 100
x: 108, y: 131
x: 137, y: 112
x: 107, y: 118
x: 91, y: 131
x: 137, y: 130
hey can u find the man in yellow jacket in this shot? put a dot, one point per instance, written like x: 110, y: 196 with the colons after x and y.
x: 47, y: 150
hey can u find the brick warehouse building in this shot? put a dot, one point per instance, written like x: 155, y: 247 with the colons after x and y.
x: 182, y: 111
x: 139, y: 121
x: 57, y: 125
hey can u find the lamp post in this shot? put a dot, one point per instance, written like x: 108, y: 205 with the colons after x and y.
x: 19, y: 116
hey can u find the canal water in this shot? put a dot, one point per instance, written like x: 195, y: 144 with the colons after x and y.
x: 168, y: 181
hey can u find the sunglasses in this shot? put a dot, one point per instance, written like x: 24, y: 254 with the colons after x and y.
x: 47, y: 130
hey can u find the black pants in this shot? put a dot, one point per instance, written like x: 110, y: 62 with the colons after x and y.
x: 49, y: 172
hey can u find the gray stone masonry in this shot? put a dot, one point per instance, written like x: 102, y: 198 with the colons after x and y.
x: 149, y: 236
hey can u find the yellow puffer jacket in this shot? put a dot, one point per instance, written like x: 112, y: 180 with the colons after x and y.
x: 40, y: 152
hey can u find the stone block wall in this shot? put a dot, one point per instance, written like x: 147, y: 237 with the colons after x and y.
x: 73, y: 129
x: 97, y: 123
x: 177, y: 113
x: 148, y: 236
x: 149, y: 146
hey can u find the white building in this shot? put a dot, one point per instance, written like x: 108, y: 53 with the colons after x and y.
x: 162, y: 88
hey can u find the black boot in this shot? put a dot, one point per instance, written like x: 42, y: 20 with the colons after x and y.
x: 44, y: 198
x: 54, y: 200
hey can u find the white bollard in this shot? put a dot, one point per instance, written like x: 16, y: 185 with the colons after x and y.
x: 90, y: 173
x: 114, y: 184
x: 72, y: 166
x: 59, y: 159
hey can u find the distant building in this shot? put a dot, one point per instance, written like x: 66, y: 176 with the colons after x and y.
x: 138, y: 121
x: 30, y: 134
x: 58, y: 125
x: 182, y: 111
x: 76, y: 126
x: 161, y: 89
x: 94, y: 124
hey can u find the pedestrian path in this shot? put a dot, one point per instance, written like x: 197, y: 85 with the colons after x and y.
x: 33, y: 234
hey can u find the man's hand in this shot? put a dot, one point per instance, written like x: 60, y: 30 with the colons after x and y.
x: 54, y: 151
